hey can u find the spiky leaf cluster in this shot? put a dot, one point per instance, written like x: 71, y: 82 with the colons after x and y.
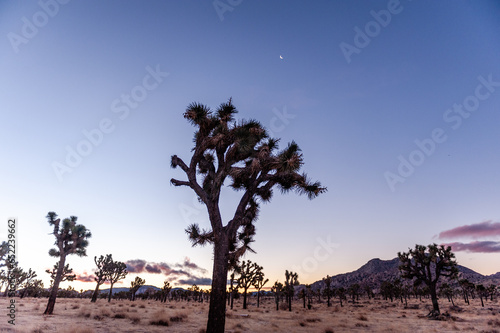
x: 242, y: 153
x: 67, y: 274
x: 71, y: 238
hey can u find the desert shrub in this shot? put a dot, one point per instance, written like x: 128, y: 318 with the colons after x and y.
x: 312, y: 320
x: 302, y: 324
x: 329, y: 330
x: 135, y: 318
x: 178, y: 317
x: 85, y: 312
x: 159, y: 318
x: 142, y: 306
x: 77, y: 329
x: 494, y: 323
x: 283, y: 306
x: 361, y: 325
x: 362, y: 317
x: 120, y: 315
x: 105, y: 312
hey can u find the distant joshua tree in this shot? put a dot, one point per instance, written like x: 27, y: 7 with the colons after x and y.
x: 135, y: 285
x: 242, y: 153
x: 428, y: 264
x: 233, y: 288
x: 491, y: 291
x: 259, y: 282
x: 33, y: 288
x: 328, y: 291
x: 4, y: 249
x: 291, y: 280
x: 27, y: 279
x: 277, y: 289
x: 250, y: 273
x: 14, y: 279
x: 165, y: 290
x: 116, y: 272
x: 446, y: 290
x: 340, y: 292
x: 482, y: 292
x: 467, y: 289
x: 101, y: 275
x: 71, y: 238
x: 353, y: 290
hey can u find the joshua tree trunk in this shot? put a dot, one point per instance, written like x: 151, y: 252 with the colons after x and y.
x: 217, y: 309
x: 55, y: 287
x: 96, y: 292
x: 245, y: 299
x: 435, y: 306
x: 110, y: 292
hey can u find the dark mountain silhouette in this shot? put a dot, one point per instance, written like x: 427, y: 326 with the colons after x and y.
x: 141, y: 290
x: 375, y: 271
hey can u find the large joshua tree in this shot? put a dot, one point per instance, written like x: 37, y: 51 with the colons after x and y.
x: 71, y: 238
x: 428, y: 264
x: 242, y: 153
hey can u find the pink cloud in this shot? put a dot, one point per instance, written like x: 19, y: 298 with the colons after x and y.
x: 85, y: 277
x: 483, y: 229
x: 477, y: 247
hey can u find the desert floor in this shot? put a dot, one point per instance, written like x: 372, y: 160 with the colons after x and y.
x: 80, y: 316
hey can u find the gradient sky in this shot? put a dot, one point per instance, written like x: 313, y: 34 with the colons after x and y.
x: 71, y: 67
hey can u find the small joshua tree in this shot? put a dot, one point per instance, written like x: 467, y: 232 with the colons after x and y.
x: 116, y: 272
x: 71, y: 238
x: 250, y: 272
x: 277, y: 288
x: 135, y: 285
x: 291, y: 280
x: 428, y: 264
x: 328, y: 291
x: 258, y: 284
x: 103, y: 269
x: 165, y: 290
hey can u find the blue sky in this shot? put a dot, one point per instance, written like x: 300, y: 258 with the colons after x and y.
x: 128, y: 71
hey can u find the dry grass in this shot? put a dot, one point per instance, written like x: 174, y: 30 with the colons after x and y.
x: 81, y: 316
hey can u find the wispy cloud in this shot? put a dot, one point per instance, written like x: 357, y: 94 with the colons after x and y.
x: 198, y: 281
x: 185, y: 272
x: 476, y: 246
x: 85, y: 277
x: 477, y: 230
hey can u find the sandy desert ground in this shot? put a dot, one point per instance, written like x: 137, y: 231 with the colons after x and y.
x: 80, y: 316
